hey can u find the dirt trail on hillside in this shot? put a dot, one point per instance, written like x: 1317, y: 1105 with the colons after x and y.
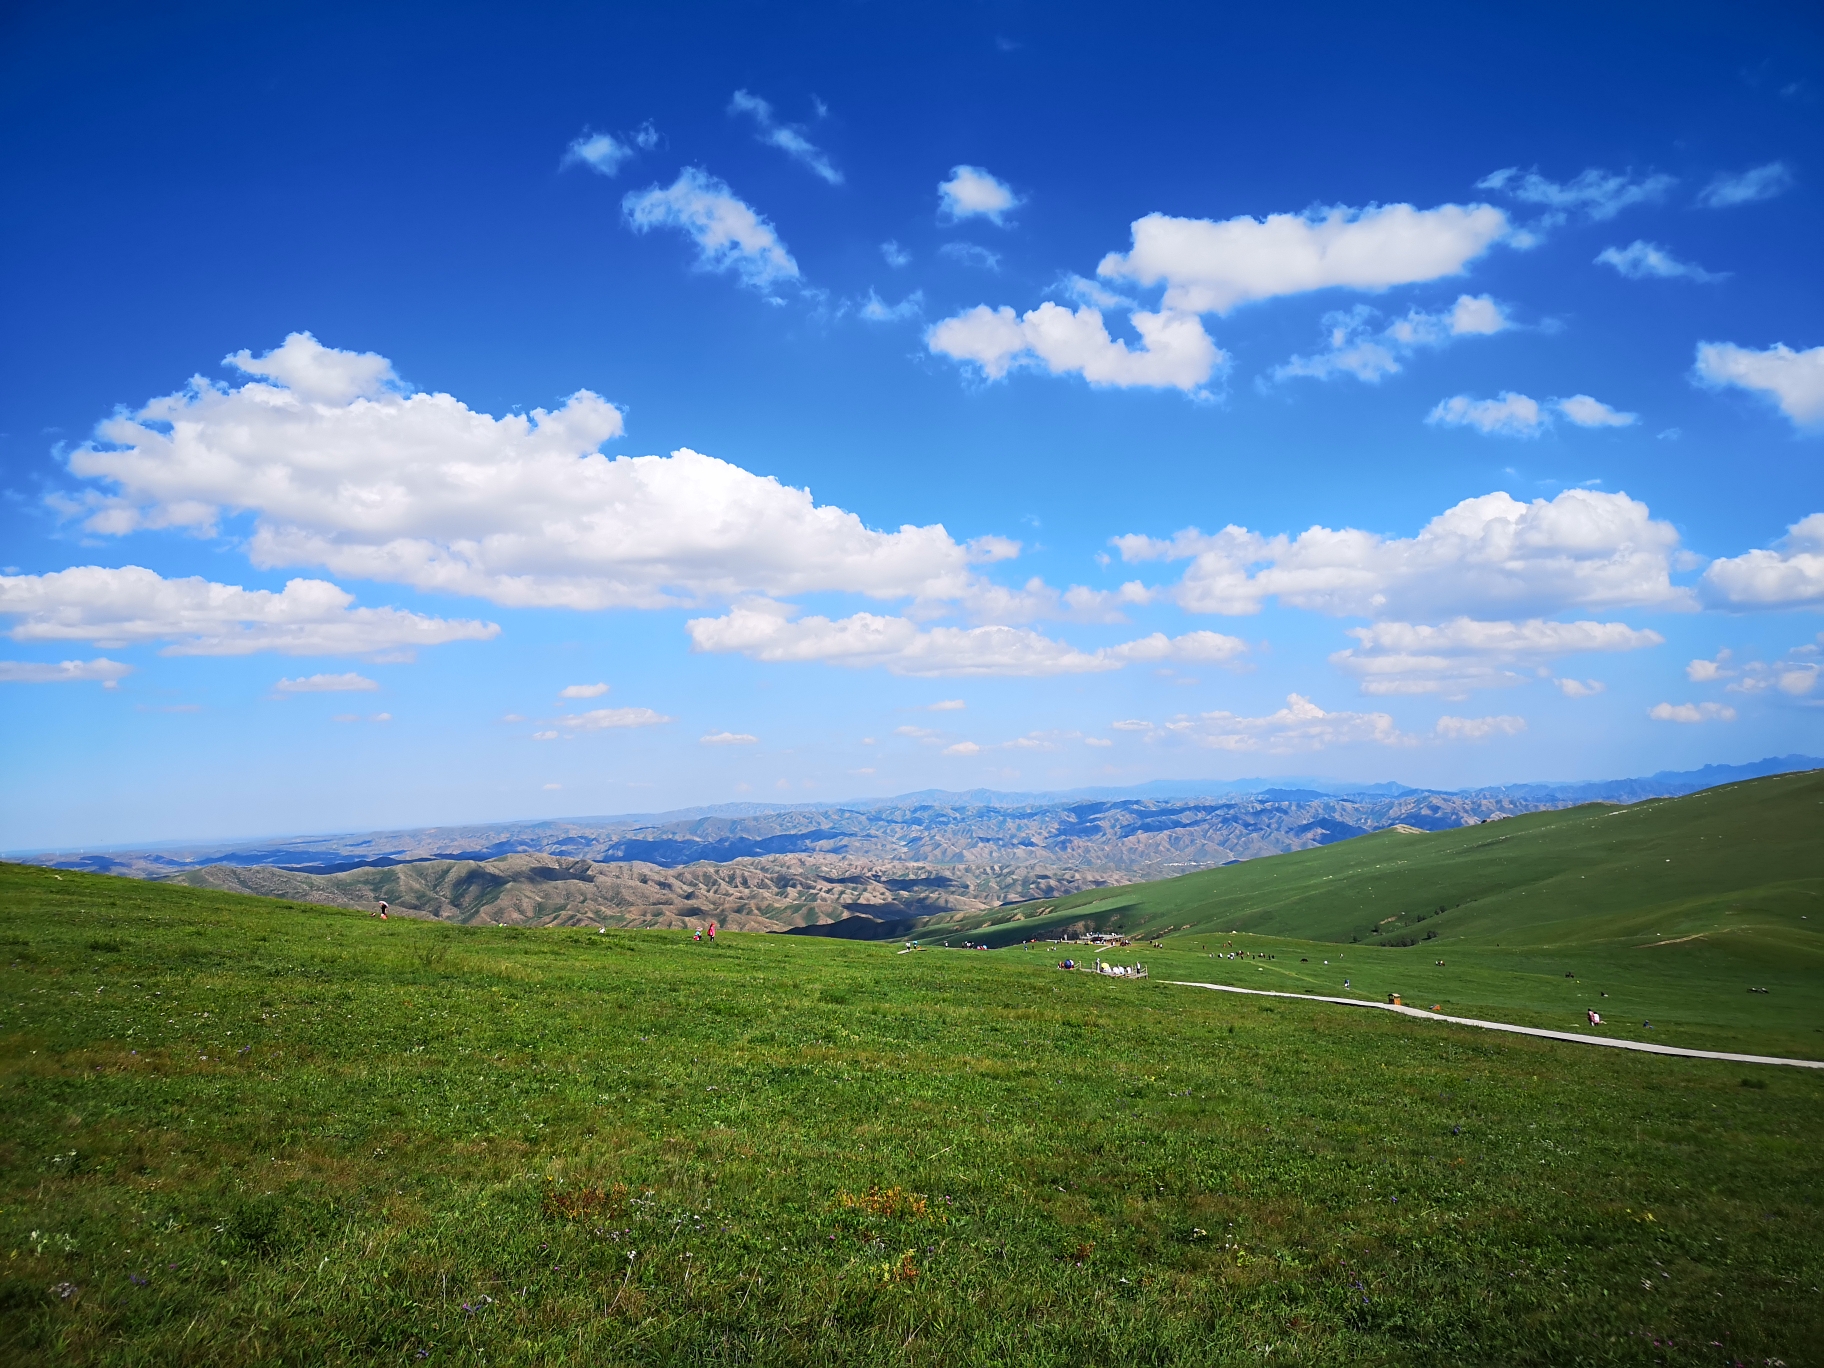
x: 1571, y: 1036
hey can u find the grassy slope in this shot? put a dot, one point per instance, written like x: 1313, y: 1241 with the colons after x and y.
x: 1675, y: 908
x: 245, y: 1131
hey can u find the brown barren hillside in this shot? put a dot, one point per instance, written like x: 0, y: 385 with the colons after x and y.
x: 769, y: 893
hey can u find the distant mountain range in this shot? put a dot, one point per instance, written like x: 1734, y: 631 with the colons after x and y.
x: 777, y: 867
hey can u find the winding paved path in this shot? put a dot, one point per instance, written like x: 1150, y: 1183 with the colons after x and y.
x: 1571, y: 1036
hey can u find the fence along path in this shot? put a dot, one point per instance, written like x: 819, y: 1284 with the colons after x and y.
x: 1643, y: 1046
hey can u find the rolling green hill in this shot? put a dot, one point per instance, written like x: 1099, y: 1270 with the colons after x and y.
x: 1740, y: 867
x: 1694, y: 921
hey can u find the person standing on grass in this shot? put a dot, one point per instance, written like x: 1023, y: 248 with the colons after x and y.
x: 712, y: 933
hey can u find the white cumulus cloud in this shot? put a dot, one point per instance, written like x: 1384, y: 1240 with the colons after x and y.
x: 1579, y: 688
x: 1691, y: 712
x: 582, y: 691
x: 1463, y: 654
x: 1793, y: 380
x: 972, y: 192
x: 1709, y: 671
x: 342, y: 468
x: 132, y: 605
x: 107, y: 672
x: 1746, y: 187
x: 1597, y: 193
x: 1175, y: 351
x: 731, y: 236
x: 326, y: 683
x: 767, y: 632
x: 1487, y: 557
x: 726, y: 738
x: 1789, y: 575
x: 1640, y: 260
x: 788, y: 138
x: 1211, y: 267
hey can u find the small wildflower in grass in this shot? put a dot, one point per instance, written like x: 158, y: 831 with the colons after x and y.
x: 894, y: 1202
x: 904, y: 1270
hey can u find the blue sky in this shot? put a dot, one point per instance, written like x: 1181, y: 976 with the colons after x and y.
x: 422, y: 416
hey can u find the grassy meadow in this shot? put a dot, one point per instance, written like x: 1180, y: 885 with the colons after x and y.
x: 241, y: 1131
x: 1703, y: 915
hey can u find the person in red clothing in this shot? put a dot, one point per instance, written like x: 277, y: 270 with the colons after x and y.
x: 712, y: 933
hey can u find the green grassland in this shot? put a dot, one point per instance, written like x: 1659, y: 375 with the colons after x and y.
x: 242, y: 1131
x: 1674, y: 908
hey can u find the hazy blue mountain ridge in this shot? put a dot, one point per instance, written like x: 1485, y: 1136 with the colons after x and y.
x: 1136, y: 832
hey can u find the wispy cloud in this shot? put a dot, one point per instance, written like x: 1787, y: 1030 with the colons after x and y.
x: 1356, y: 348
x: 1518, y: 415
x: 1691, y: 712
x: 1593, y: 413
x: 1510, y: 415
x: 327, y: 683
x: 1464, y: 654
x: 731, y: 236
x: 604, y: 719
x: 1641, y: 260
x: 601, y: 152
x: 606, y: 153
x: 869, y: 640
x: 1747, y: 187
x: 108, y: 673
x: 1595, y: 193
x: 877, y: 310
x: 1477, y: 728
x: 788, y: 138
x: 969, y: 254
